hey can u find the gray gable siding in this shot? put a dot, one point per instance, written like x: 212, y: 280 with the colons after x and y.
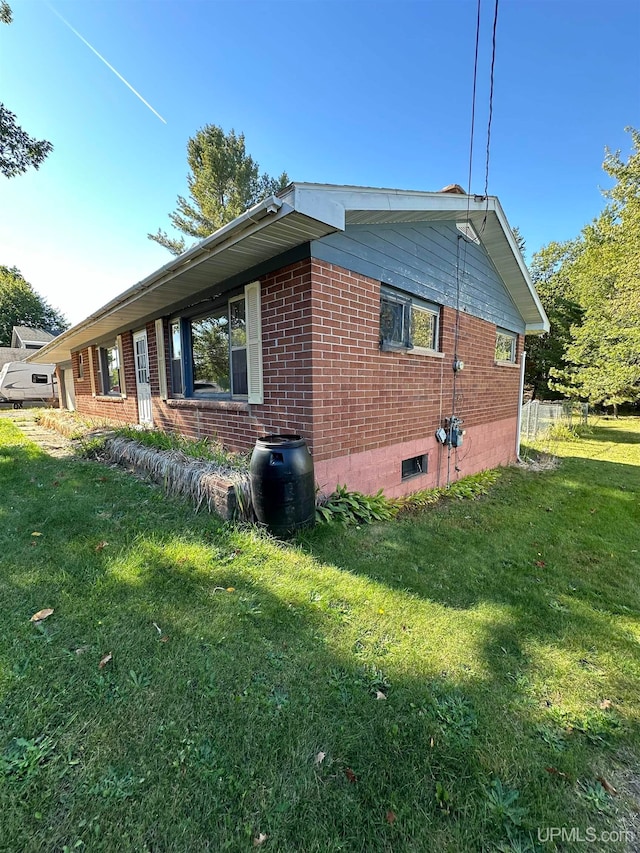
x: 423, y: 258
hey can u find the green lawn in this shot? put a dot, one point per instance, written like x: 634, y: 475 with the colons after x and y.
x: 456, y: 680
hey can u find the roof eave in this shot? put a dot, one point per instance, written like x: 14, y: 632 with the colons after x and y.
x: 307, y: 223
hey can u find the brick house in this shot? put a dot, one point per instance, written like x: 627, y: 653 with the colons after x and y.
x: 362, y: 319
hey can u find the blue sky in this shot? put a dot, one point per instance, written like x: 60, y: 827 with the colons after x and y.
x: 336, y: 91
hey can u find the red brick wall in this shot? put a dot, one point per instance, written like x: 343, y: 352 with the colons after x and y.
x: 361, y: 410
x: 114, y: 408
x: 287, y: 363
x: 365, y: 398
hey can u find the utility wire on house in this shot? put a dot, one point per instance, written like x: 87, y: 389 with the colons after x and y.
x: 492, y: 74
x: 461, y: 261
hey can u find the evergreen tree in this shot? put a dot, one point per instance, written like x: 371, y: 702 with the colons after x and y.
x: 224, y: 181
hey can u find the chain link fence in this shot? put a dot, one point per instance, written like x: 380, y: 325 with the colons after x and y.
x: 538, y: 418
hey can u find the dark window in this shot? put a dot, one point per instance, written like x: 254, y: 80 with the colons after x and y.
x: 414, y: 466
x: 176, y: 358
x: 32, y: 346
x: 80, y: 366
x: 406, y: 323
x: 39, y: 378
x: 238, y: 324
x: 211, y: 352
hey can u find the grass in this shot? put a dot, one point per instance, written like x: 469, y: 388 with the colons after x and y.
x: 204, y: 449
x: 454, y: 680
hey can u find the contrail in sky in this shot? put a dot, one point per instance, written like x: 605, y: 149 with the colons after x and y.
x: 118, y: 75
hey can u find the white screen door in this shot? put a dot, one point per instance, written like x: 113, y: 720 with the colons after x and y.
x: 143, y: 385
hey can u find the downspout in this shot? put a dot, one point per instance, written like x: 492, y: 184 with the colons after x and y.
x: 519, y: 424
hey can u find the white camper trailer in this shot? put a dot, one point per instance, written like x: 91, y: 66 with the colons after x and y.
x: 21, y: 382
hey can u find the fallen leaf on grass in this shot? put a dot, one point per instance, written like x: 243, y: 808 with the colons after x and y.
x: 81, y: 650
x: 380, y: 695
x: 164, y: 639
x: 351, y: 776
x: 555, y: 772
x: 432, y: 742
x: 231, y: 589
x: 36, y: 533
x: 41, y: 615
x: 259, y: 840
x: 105, y: 660
x: 101, y: 545
x: 320, y: 757
x: 390, y: 817
x: 607, y: 786
x: 541, y: 563
x: 606, y: 704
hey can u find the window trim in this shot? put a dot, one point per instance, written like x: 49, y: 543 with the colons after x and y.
x: 250, y: 293
x: 513, y: 336
x: 104, y: 373
x: 408, y: 303
x: 420, y: 464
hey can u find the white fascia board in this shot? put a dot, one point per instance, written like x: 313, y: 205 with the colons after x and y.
x: 256, y: 219
x: 380, y: 199
x: 317, y: 205
x: 464, y: 206
x: 252, y: 220
x: 532, y: 328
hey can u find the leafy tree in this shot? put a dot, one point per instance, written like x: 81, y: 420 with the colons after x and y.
x: 18, y: 150
x: 224, y: 182
x: 603, y: 357
x: 20, y: 305
x: 549, y: 273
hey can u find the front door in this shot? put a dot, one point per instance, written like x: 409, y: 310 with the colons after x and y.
x: 143, y: 385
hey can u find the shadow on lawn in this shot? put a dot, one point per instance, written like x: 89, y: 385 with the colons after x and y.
x: 209, y: 737
x: 615, y: 433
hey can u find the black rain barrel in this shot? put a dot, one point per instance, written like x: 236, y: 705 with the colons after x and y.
x: 283, y: 488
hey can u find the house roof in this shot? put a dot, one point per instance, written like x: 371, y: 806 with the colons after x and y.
x: 13, y: 354
x: 28, y: 335
x: 303, y: 212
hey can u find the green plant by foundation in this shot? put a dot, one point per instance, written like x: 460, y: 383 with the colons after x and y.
x: 206, y: 448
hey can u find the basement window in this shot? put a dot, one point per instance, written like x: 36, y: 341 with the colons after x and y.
x: 407, y: 323
x: 414, y: 466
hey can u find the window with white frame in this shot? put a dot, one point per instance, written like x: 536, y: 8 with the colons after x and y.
x: 408, y: 323
x: 109, y: 370
x: 219, y: 354
x: 176, y: 357
x: 506, y: 345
